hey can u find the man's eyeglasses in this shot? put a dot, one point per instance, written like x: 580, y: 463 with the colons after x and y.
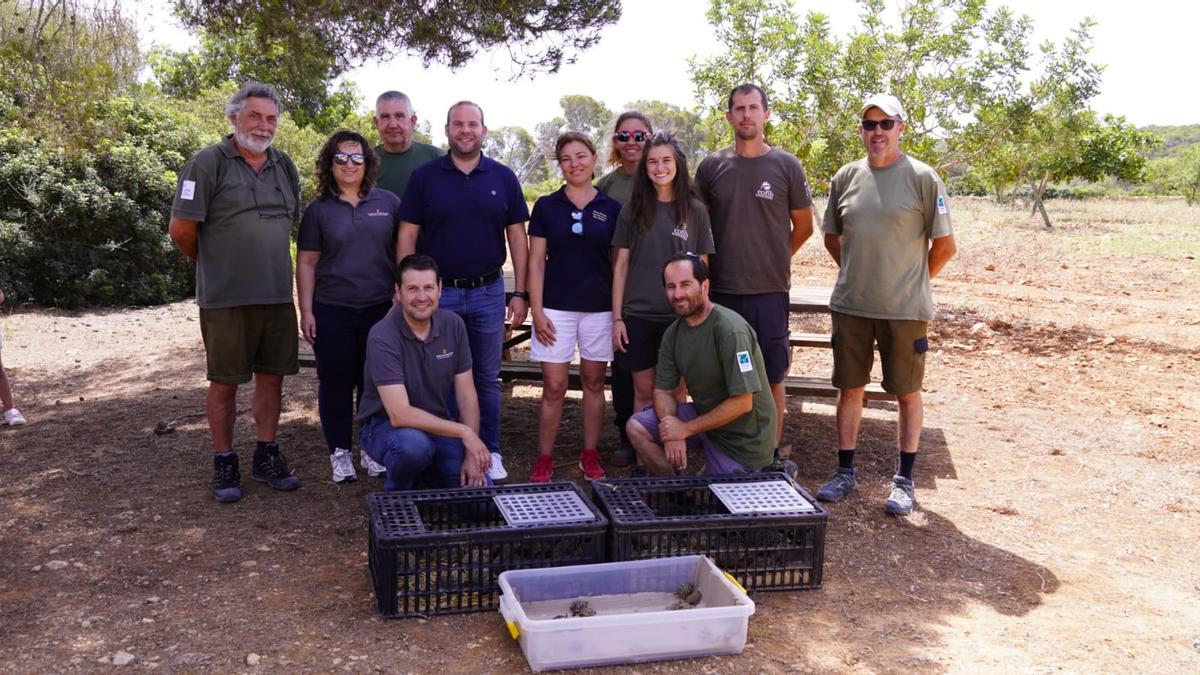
x: 639, y: 136
x: 342, y: 158
x: 886, y: 125
x: 577, y: 226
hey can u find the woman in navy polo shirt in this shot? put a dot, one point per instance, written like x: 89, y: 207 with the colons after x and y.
x: 570, y: 286
x: 344, y: 279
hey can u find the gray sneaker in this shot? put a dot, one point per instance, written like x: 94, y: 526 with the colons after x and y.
x: 343, y: 466
x: 374, y: 469
x: 900, y: 501
x: 841, y: 484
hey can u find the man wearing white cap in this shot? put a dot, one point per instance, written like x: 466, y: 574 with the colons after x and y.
x: 887, y: 226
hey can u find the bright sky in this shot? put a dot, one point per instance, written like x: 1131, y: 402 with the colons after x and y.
x: 1149, y: 78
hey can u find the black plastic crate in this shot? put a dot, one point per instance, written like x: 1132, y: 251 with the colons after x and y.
x: 661, y: 517
x: 442, y: 551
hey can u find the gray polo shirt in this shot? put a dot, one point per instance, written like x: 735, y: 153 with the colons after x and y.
x: 426, y: 368
x: 357, y: 246
x: 246, y: 220
x: 750, y: 201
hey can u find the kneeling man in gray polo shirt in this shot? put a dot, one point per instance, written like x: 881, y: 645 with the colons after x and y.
x: 415, y: 355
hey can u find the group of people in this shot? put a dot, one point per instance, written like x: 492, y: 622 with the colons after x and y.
x: 682, y: 285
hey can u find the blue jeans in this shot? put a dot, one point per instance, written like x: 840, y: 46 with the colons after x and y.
x: 482, y: 309
x: 412, y: 454
x: 341, y: 349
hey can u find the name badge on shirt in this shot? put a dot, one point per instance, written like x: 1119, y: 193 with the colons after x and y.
x: 744, y: 363
x: 187, y: 190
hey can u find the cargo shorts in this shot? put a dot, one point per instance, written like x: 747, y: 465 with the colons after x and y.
x: 902, y: 346
x: 241, y: 341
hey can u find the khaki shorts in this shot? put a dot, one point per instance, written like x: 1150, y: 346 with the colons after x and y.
x: 240, y: 341
x: 902, y: 347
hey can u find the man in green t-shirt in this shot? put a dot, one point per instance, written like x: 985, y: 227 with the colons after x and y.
x: 732, y: 415
x: 399, y: 153
x: 887, y: 226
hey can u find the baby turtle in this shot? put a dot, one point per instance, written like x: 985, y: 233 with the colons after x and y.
x: 581, y: 608
x: 689, y: 596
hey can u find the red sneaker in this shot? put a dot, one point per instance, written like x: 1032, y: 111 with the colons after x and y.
x: 543, y: 469
x: 589, y: 462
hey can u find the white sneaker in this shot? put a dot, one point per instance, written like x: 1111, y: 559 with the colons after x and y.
x: 497, y: 472
x: 343, y: 466
x: 13, y: 417
x: 374, y: 469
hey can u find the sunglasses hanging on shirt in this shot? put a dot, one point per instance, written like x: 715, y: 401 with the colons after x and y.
x: 577, y: 225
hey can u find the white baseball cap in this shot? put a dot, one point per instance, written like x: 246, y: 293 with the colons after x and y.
x: 889, y: 104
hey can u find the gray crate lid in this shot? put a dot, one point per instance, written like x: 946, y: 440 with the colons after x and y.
x: 770, y: 496
x: 542, y: 508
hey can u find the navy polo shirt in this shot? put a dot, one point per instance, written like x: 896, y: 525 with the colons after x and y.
x: 357, y: 246
x: 426, y: 368
x: 463, y: 216
x: 578, y: 266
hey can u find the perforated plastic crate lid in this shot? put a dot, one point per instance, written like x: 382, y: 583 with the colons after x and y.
x: 542, y: 508
x: 772, y: 496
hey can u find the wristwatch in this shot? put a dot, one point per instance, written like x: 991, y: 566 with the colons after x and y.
x: 524, y: 295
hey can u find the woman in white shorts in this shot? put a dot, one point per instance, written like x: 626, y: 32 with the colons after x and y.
x: 570, y: 290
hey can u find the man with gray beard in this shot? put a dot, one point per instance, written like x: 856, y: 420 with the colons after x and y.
x: 233, y: 213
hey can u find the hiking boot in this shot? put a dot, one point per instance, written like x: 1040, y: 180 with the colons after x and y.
x: 227, y: 479
x: 589, y: 463
x: 900, y: 501
x: 374, y: 469
x: 784, y: 466
x: 14, y: 418
x: 343, y: 466
x: 624, y: 455
x: 271, y: 468
x: 497, y: 472
x: 543, y: 469
x: 841, y: 484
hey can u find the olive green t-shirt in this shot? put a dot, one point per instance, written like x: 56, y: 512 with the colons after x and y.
x: 245, y: 225
x: 750, y: 200
x: 886, y: 218
x: 648, y: 252
x: 717, y: 359
x: 618, y: 185
x: 396, y: 167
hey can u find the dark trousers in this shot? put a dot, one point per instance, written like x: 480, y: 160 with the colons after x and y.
x: 622, y: 395
x: 340, y: 350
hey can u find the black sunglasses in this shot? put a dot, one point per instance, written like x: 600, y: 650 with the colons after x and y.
x: 886, y: 125
x: 343, y: 158
x: 639, y: 136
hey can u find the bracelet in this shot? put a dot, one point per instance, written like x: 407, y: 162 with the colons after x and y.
x: 524, y: 295
x: 618, y: 320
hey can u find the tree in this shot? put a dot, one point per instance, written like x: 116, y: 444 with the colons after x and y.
x: 540, y: 35
x: 687, y: 126
x: 515, y: 148
x: 1178, y: 173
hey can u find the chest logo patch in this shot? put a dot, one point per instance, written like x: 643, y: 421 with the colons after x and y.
x: 444, y: 355
x: 744, y: 363
x: 764, y: 191
x: 602, y: 217
x: 680, y: 232
x: 378, y: 213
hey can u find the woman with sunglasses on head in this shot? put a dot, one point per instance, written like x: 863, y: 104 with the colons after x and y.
x: 345, y: 257
x: 570, y: 286
x: 663, y: 218
x: 630, y: 132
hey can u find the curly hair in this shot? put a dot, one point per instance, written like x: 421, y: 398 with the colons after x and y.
x: 326, y: 184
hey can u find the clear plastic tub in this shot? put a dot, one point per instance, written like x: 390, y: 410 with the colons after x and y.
x: 632, y: 621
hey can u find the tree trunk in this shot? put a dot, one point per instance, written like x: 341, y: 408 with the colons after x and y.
x: 1038, y: 191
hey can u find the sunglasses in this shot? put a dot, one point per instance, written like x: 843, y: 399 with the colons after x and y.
x: 341, y: 159
x: 639, y: 136
x: 886, y: 125
x: 577, y: 226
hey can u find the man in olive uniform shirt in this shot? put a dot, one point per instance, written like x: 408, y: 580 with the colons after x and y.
x: 399, y: 153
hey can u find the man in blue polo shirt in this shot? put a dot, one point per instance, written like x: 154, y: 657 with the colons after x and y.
x: 416, y: 355
x: 459, y: 209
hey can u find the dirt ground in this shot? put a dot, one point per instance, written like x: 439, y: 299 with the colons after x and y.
x: 1058, y: 487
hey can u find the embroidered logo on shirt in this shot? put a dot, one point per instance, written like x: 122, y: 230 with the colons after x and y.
x: 680, y: 232
x: 188, y: 190
x: 600, y: 216
x: 744, y: 363
x: 377, y: 212
x: 941, y: 205
x: 764, y: 191
x: 444, y: 355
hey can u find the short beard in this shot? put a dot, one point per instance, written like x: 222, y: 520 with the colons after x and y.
x: 250, y: 143
x: 747, y: 135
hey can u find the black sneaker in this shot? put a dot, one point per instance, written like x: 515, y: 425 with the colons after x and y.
x: 784, y: 466
x: 271, y: 468
x: 227, y: 479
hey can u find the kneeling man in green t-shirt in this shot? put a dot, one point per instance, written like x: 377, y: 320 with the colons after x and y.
x: 732, y: 415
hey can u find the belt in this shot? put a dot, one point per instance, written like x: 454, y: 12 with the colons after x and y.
x: 471, y: 282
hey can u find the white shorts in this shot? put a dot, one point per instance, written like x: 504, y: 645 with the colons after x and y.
x: 592, y: 331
